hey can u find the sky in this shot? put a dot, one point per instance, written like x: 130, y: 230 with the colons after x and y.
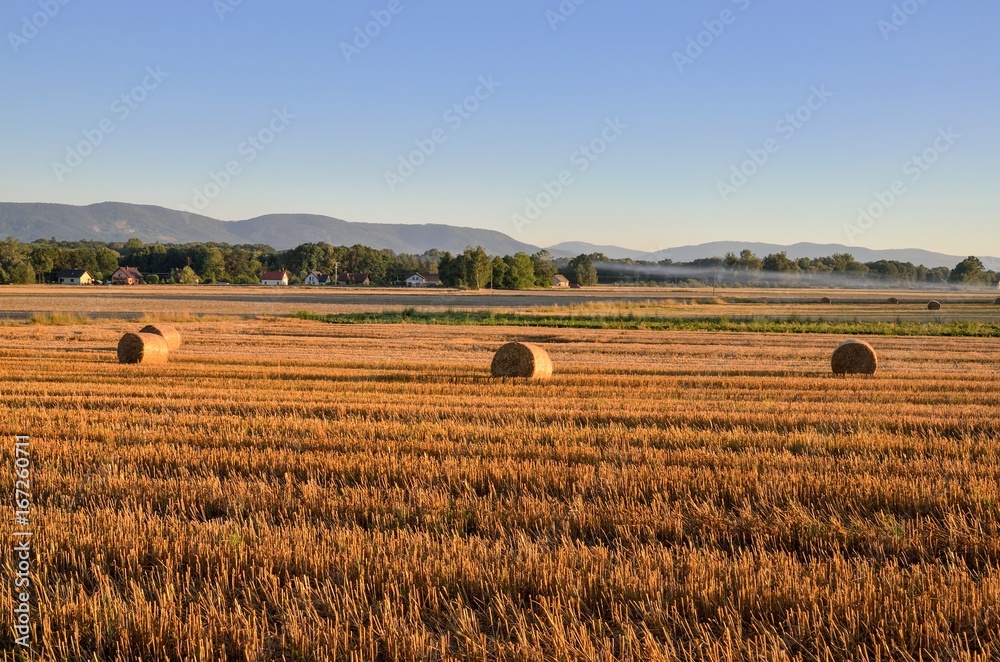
x: 638, y: 123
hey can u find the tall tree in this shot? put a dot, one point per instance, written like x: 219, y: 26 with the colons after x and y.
x: 477, y: 267
x: 544, y: 267
x: 521, y: 273
x: 970, y: 270
x: 500, y: 274
x: 581, y: 270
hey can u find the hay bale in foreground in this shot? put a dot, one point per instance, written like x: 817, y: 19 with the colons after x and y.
x: 825, y: 300
x: 519, y: 359
x: 934, y: 305
x: 893, y: 301
x: 142, y: 348
x: 169, y: 333
x: 854, y: 357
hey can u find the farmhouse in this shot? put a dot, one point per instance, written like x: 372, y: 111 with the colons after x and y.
x: 318, y: 278
x: 274, y: 278
x: 127, y: 276
x: 74, y: 277
x: 560, y: 281
x: 423, y: 280
x: 349, y: 278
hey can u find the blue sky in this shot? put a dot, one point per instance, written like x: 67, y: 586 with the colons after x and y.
x: 601, y: 122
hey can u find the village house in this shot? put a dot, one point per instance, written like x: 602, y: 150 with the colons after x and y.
x: 127, y: 276
x: 318, y: 278
x: 349, y: 278
x: 560, y: 281
x: 423, y: 280
x: 74, y: 277
x: 274, y: 278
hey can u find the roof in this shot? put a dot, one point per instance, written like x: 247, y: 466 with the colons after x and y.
x: 559, y: 278
x: 129, y: 271
x: 348, y: 277
x: 428, y: 278
x: 274, y: 275
x: 72, y: 273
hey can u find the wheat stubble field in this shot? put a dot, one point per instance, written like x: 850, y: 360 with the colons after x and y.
x: 287, y: 489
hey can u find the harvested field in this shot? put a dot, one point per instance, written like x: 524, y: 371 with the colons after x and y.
x: 175, y: 303
x: 287, y: 489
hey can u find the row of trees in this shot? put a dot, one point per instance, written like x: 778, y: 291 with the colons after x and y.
x: 473, y: 268
x: 214, y: 263
x: 779, y: 269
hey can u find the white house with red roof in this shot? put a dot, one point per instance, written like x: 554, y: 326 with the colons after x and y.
x: 274, y: 278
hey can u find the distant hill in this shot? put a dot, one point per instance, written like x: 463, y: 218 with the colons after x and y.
x: 109, y: 221
x: 290, y: 230
x: 574, y: 248
x: 116, y: 221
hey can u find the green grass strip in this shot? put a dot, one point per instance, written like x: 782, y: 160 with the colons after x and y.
x: 630, y: 322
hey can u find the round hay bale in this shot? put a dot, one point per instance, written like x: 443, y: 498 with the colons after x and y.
x: 764, y: 300
x: 825, y: 300
x: 997, y: 302
x: 169, y: 333
x: 142, y: 348
x: 519, y: 359
x: 893, y: 301
x: 854, y: 357
x: 934, y: 305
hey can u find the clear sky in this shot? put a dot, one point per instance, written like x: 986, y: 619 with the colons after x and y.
x: 671, y: 100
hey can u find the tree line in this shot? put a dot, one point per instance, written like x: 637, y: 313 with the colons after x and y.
x: 747, y: 268
x: 474, y: 268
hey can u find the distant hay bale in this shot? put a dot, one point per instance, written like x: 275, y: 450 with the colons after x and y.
x: 142, y: 348
x: 763, y: 300
x: 169, y: 333
x: 518, y: 359
x: 934, y: 305
x: 854, y: 357
x: 997, y: 302
x: 825, y: 300
x: 893, y: 301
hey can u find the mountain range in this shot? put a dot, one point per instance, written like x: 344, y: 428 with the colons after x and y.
x: 794, y: 252
x: 117, y: 221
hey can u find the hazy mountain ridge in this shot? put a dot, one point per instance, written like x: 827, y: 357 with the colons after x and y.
x: 116, y: 221
x: 794, y: 251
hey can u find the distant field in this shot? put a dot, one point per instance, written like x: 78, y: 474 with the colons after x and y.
x: 290, y: 489
x: 21, y: 302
